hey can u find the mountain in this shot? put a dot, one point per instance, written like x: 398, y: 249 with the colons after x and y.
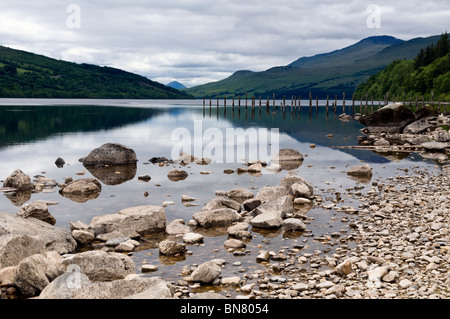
x: 324, y: 74
x: 428, y: 72
x: 176, y: 85
x: 28, y: 75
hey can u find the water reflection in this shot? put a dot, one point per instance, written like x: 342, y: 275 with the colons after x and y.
x: 113, y: 175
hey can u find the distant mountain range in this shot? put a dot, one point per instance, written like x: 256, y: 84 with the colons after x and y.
x: 176, y: 85
x: 28, y: 75
x: 324, y: 74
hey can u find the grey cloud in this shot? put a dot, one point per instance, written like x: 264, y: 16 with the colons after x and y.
x: 198, y: 41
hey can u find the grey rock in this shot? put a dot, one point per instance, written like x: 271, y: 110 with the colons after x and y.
x: 38, y: 210
x: 139, y: 220
x: 176, y: 227
x: 34, y: 273
x: 206, y: 272
x: 54, y: 238
x: 99, y: 265
x: 360, y: 170
x: 16, y: 247
x: 18, y: 180
x: 169, y: 248
x: 111, y: 154
x: 221, y: 202
x: 192, y: 238
x: 294, y: 224
x: 217, y: 217
x: 240, y: 194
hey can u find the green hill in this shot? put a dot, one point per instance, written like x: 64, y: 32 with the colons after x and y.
x: 428, y: 72
x: 28, y: 75
x: 324, y: 74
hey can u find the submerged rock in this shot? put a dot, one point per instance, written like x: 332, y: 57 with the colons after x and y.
x: 288, y: 159
x: 176, y: 175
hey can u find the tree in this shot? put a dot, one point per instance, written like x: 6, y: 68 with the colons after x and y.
x: 442, y: 46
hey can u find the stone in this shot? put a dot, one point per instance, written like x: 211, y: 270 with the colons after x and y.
x: 208, y: 295
x: 80, y: 189
x: 176, y: 175
x: 324, y: 285
x: 185, y: 198
x: 221, y: 202
x: 377, y: 273
x: 335, y: 290
x: 217, y: 217
x: 288, y: 159
x: 234, y: 243
x: 176, y: 227
x: 192, y: 238
x: 206, y: 273
x: 144, y: 178
x: 240, y: 194
x: 263, y: 256
x: 170, y: 248
x: 300, y: 190
x: 131, y: 287
x: 35, y: 272
x: 281, y: 206
x: 405, y: 283
x: 240, y: 230
x: 360, y: 170
x: 111, y: 154
x: 60, y: 162
x: 294, y: 224
x: 19, y: 181
x: 435, y: 146
x: 344, y: 268
x: 99, y: 265
x: 7, y: 276
x: 301, y: 201
x: 392, y: 118
x: 251, y: 204
x: 418, y: 126
x: 268, y: 193
x: 291, y: 178
x: 139, y: 220
x: 255, y: 168
x: 15, y: 247
x: 38, y: 210
x: 83, y: 237
x: 231, y: 281
x: 149, y: 268
x: 269, y: 219
x: 390, y: 277
x: 54, y: 238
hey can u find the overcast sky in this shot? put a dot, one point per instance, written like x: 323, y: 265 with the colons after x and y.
x: 198, y: 41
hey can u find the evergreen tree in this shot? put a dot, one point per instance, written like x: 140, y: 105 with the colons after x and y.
x: 442, y: 46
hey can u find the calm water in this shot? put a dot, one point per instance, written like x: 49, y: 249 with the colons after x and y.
x: 34, y: 133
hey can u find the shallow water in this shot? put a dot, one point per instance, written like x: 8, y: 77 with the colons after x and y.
x: 34, y: 133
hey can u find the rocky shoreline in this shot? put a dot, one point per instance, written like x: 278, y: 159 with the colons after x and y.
x: 396, y: 243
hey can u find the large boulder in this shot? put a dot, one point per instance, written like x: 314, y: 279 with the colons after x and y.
x: 111, y: 154
x: 288, y: 159
x: 281, y: 206
x: 99, y: 265
x: 38, y: 210
x: 392, y: 118
x: 15, y: 247
x: 131, y: 287
x: 132, y: 222
x: 19, y: 181
x: 216, y: 217
x: 54, y: 238
x: 36, y: 272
